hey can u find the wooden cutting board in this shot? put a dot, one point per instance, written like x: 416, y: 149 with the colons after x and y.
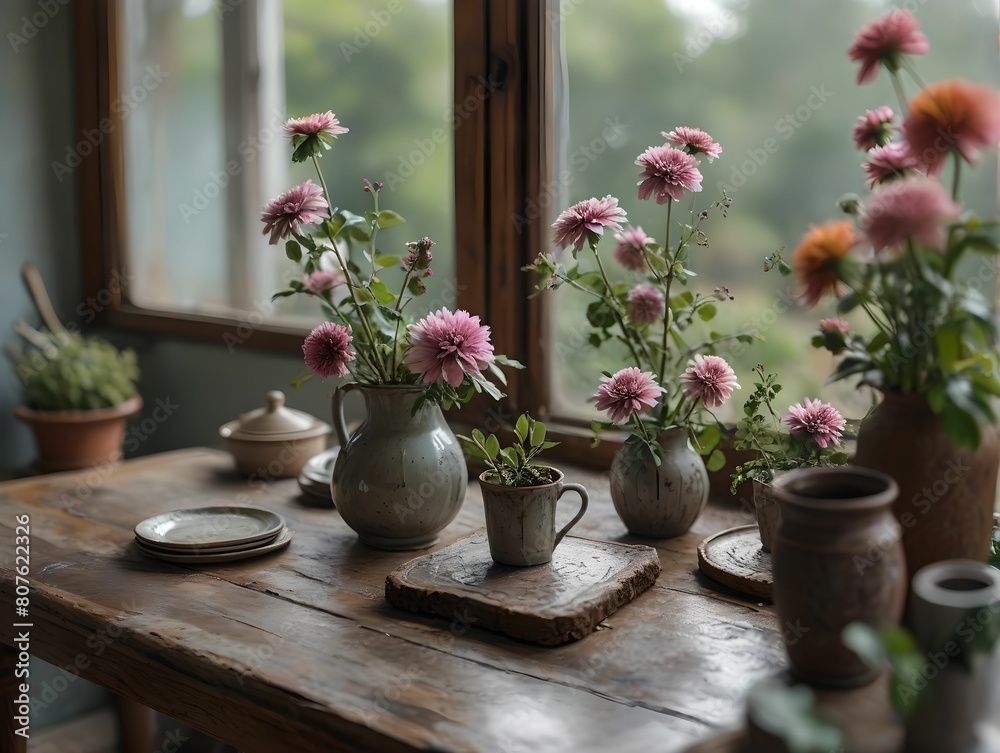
x: 558, y: 602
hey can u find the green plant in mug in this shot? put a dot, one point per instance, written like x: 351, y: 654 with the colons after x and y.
x: 513, y: 466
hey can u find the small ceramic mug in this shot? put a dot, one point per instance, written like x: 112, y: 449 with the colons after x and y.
x: 521, y: 520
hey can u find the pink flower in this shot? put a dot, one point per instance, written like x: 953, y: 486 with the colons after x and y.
x: 834, y: 325
x: 710, y: 379
x: 888, y: 162
x: 419, y: 257
x: 874, y: 128
x: 282, y: 215
x: 321, y: 280
x: 585, y: 218
x: 449, y: 344
x: 646, y: 304
x: 313, y: 125
x: 626, y: 392
x: 667, y: 173
x: 694, y: 141
x: 885, y: 41
x: 819, y: 420
x: 953, y: 114
x: 630, y: 251
x: 912, y: 208
x: 327, y: 350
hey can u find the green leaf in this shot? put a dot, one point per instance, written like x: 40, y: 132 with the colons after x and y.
x: 388, y: 218
x: 380, y: 291
x: 708, y: 439
x: 716, y: 461
x: 707, y: 312
x: 293, y: 251
x: 521, y: 427
x: 600, y: 315
x: 492, y: 447
x: 537, y: 433
x: 385, y: 260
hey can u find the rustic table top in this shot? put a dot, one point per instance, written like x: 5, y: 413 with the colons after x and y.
x: 299, y: 650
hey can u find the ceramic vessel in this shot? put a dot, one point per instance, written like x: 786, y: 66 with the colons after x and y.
x: 274, y: 441
x: 401, y: 477
x: 954, y: 614
x: 767, y: 512
x: 659, y: 502
x: 68, y: 440
x: 521, y: 520
x: 837, y: 559
x: 946, y: 495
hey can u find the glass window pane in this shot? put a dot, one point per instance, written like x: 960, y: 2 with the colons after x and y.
x: 770, y: 80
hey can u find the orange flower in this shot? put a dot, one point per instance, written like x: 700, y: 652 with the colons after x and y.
x: 815, y: 259
x: 952, y: 114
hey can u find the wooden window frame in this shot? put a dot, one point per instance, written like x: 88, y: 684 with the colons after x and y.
x: 503, y: 63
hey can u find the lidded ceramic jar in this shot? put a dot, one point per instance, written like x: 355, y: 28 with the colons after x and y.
x: 274, y: 441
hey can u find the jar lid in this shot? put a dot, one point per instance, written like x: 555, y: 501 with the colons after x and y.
x: 274, y: 422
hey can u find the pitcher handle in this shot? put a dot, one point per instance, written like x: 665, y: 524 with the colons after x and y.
x: 339, y: 424
x: 584, y: 500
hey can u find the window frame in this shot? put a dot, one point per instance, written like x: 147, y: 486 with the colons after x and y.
x: 503, y: 87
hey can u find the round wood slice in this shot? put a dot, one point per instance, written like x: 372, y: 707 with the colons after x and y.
x: 729, y: 742
x: 734, y: 558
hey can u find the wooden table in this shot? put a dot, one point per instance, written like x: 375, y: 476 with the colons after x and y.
x: 300, y: 651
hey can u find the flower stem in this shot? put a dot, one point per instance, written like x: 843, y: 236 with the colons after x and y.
x: 897, y: 86
x: 667, y: 312
x: 956, y: 178
x: 350, y: 285
x: 614, y: 306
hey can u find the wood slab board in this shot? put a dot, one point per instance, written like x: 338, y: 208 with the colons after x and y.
x: 551, y: 604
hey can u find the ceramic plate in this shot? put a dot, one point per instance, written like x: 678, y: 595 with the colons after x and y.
x: 201, y: 559
x: 208, y: 526
x: 319, y: 468
x: 210, y: 549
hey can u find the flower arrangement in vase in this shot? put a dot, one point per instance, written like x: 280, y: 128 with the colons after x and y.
x: 665, y: 396
x: 898, y: 261
x: 807, y: 435
x: 406, y: 371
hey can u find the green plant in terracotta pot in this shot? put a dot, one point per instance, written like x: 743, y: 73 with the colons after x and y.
x: 902, y: 260
x: 520, y: 496
x: 806, y: 435
x: 78, y: 393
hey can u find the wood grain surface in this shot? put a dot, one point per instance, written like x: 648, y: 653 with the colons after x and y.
x: 298, y: 650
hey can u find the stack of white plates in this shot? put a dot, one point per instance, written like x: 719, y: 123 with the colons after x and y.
x: 317, y: 474
x: 212, y: 534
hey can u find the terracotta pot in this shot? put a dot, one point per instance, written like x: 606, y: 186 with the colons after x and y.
x: 73, y: 439
x: 837, y: 559
x: 767, y: 512
x: 659, y: 502
x: 401, y: 477
x: 946, y: 495
x: 521, y: 520
x: 954, y: 614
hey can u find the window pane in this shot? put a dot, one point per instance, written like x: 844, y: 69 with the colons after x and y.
x: 191, y: 147
x: 770, y: 80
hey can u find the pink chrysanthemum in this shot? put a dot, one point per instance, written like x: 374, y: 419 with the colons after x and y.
x: 646, y: 304
x: 819, y: 420
x: 449, y: 344
x: 626, y: 392
x: 313, y: 125
x: 327, y: 350
x: 321, y: 280
x: 302, y: 204
x: 709, y: 379
x: 834, y: 325
x: 667, y: 173
x: 575, y: 225
x: 874, y: 128
x: 913, y: 208
x: 630, y: 251
x: 889, y: 162
x: 694, y: 141
x: 885, y: 41
x: 952, y: 114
